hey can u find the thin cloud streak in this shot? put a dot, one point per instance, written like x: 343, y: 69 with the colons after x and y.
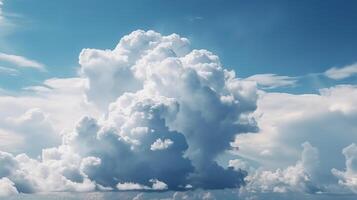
x: 20, y: 61
x: 271, y: 81
x: 8, y: 71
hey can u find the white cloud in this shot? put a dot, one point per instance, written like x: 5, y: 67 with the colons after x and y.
x: 9, y: 22
x: 7, y: 187
x: 197, y: 195
x: 41, y: 112
x: 8, y: 71
x: 20, y: 61
x: 1, y: 12
x: 287, y: 120
x: 348, y: 178
x: 131, y: 186
x: 203, y: 97
x: 161, y: 144
x: 156, y: 185
x: 53, y: 174
x: 9, y: 140
x: 342, y: 73
x: 241, y: 164
x: 326, y: 120
x: 271, y: 81
x: 296, y: 178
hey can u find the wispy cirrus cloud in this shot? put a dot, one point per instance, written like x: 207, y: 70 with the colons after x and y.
x: 342, y: 72
x: 271, y: 81
x: 4, y: 21
x: 20, y: 61
x: 8, y: 71
x: 1, y: 12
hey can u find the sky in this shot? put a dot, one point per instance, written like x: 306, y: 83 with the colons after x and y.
x: 196, y: 99
x: 288, y: 38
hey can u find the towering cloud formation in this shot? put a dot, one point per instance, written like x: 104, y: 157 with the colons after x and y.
x: 348, y: 178
x: 208, y: 104
x: 169, y: 111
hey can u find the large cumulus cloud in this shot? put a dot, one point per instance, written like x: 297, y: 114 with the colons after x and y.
x: 212, y: 105
x: 168, y: 112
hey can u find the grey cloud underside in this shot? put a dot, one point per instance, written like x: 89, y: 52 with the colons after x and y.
x: 150, y: 88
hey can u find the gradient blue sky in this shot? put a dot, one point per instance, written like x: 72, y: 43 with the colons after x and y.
x: 291, y: 38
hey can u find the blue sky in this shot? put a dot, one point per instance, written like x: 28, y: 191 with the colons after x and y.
x: 281, y: 37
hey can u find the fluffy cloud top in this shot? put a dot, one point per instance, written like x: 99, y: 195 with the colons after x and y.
x: 168, y: 112
x: 208, y: 105
x: 161, y: 144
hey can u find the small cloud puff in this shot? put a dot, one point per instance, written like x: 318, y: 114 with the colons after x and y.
x: 342, y: 73
x: 161, y: 144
